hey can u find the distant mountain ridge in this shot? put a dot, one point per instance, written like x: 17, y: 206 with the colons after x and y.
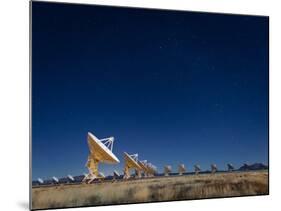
x: 255, y: 166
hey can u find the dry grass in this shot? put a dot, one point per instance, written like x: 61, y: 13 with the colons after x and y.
x: 154, y: 189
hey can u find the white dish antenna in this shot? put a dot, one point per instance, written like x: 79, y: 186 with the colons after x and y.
x: 152, y: 169
x: 70, y: 178
x: 214, y: 168
x: 101, y: 175
x: 167, y: 170
x: 56, y: 180
x: 40, y: 181
x: 145, y: 169
x: 116, y: 174
x: 230, y: 167
x: 131, y: 162
x: 100, y: 151
x: 182, y: 169
x: 197, y: 169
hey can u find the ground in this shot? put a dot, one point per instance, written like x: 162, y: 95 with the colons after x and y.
x: 152, y: 189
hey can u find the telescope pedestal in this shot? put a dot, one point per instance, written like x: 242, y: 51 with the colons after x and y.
x: 92, y: 166
x: 138, y: 173
x: 126, y: 172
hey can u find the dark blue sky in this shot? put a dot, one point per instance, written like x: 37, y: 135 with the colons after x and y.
x: 175, y: 87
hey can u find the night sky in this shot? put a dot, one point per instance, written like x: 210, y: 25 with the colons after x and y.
x: 175, y: 87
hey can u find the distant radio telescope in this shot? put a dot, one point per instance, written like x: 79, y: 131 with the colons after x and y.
x: 182, y: 169
x: 230, y: 167
x: 70, y: 178
x: 101, y: 175
x: 131, y: 162
x: 214, y: 168
x: 40, y: 181
x: 55, y: 180
x: 197, y: 169
x: 116, y: 175
x: 167, y: 170
x: 145, y: 169
x: 152, y: 170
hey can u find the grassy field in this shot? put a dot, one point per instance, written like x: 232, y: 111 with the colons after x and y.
x: 153, y: 189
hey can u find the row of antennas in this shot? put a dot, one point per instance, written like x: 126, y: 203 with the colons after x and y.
x: 55, y: 180
x: 197, y: 169
x: 146, y: 170
x: 101, y: 152
x: 141, y: 168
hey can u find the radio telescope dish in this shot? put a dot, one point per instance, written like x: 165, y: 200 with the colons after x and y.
x: 144, y: 167
x: 116, y: 175
x: 197, y: 169
x: 230, y: 167
x: 151, y: 169
x: 182, y: 169
x: 167, y: 170
x: 71, y: 179
x: 214, y: 168
x: 55, y: 180
x: 101, y: 175
x: 131, y: 162
x: 40, y: 181
x: 100, y: 151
